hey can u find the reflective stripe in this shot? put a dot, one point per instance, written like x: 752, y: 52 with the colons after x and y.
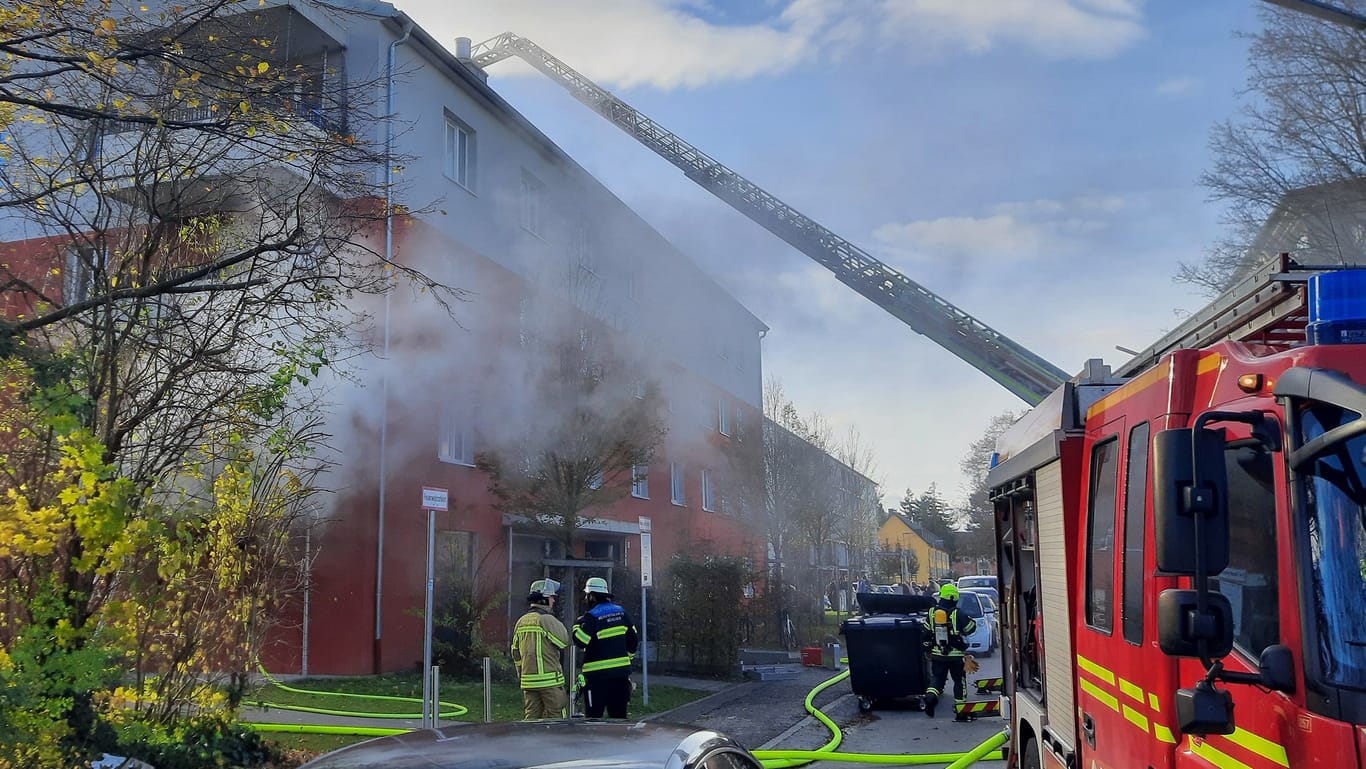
x: 1153, y: 703
x: 1096, y: 670
x: 1106, y: 698
x: 1216, y: 756
x: 612, y: 632
x: 615, y: 662
x: 1164, y: 734
x: 1136, y: 718
x: 1259, y: 745
x: 581, y: 635
x: 1131, y: 690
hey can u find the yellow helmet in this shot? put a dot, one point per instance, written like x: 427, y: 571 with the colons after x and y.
x: 949, y: 591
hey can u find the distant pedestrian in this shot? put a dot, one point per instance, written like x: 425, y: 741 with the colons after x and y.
x: 608, y: 638
x: 946, y: 632
x: 537, y: 640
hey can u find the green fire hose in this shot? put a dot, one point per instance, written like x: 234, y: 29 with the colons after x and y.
x: 771, y: 759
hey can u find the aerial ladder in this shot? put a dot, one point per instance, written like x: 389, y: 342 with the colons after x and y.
x: 1016, y: 368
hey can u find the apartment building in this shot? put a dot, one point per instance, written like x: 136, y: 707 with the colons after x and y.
x: 543, y: 256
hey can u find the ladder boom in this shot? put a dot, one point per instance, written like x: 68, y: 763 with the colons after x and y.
x: 1022, y: 372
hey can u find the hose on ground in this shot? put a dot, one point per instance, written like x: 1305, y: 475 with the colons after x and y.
x: 771, y: 759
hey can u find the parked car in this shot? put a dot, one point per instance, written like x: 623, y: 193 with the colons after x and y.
x: 991, y: 591
x: 988, y: 601
x: 584, y: 744
x: 978, y: 580
x: 983, y: 640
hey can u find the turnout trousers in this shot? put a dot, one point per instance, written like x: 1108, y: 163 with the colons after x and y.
x: 940, y: 670
x: 549, y: 702
x: 607, y: 694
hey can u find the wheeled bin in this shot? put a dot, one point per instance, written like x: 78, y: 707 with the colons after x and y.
x: 886, y: 656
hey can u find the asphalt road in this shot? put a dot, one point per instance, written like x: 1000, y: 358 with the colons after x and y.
x: 770, y: 715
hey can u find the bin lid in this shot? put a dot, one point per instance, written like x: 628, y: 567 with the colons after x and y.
x: 894, y: 603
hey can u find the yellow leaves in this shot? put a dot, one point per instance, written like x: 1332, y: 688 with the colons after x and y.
x: 244, y: 107
x: 108, y: 26
x: 262, y: 68
x: 175, y: 93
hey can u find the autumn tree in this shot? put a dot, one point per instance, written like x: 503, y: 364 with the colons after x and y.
x: 189, y: 203
x: 1296, y: 150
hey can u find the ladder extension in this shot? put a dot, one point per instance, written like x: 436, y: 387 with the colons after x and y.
x: 1019, y: 370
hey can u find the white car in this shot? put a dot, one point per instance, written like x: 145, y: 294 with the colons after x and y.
x: 988, y: 601
x: 984, y: 639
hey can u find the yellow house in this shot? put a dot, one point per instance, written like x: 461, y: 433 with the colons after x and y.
x: 897, y: 532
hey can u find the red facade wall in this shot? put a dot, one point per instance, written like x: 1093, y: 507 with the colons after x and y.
x: 341, y: 616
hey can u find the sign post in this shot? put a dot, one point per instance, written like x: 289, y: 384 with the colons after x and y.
x: 647, y: 579
x: 433, y: 500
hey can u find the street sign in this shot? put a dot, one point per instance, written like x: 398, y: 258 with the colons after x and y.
x: 435, y: 499
x: 647, y: 577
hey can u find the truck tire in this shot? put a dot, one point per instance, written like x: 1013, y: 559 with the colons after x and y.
x: 1029, y: 755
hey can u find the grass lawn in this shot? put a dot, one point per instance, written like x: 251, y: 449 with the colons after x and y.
x: 506, y: 698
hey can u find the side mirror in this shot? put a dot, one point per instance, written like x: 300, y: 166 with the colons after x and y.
x: 1204, y: 710
x: 1190, y: 492
x: 1181, y: 627
x: 1277, y: 668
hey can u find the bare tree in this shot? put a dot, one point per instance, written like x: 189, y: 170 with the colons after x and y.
x: 594, y: 422
x: 198, y: 204
x: 976, y: 520
x: 1303, y: 130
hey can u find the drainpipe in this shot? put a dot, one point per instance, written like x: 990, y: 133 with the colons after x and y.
x: 384, y: 378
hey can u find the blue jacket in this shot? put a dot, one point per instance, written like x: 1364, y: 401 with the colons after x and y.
x: 608, y: 637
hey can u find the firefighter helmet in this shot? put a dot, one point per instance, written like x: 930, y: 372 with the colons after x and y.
x: 596, y: 585
x: 546, y: 588
x: 948, y: 592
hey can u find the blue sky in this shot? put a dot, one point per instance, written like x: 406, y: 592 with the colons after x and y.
x: 1035, y: 162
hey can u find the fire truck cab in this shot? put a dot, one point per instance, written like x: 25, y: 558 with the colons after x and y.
x: 1182, y: 552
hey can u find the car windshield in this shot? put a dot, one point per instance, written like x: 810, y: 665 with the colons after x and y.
x: 1336, y: 493
x: 977, y: 582
x: 968, y: 602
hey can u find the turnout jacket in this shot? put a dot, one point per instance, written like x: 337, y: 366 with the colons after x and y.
x: 947, y: 629
x: 537, y: 640
x: 609, y: 640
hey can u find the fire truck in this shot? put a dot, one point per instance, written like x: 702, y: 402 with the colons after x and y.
x: 1182, y: 542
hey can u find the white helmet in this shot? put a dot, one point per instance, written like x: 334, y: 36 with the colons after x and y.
x: 546, y: 588
x: 596, y: 585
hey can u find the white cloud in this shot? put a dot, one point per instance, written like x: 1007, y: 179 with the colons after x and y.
x: 1011, y: 232
x: 1176, y: 86
x: 1056, y: 29
x: 664, y: 44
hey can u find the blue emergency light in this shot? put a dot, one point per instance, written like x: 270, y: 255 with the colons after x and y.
x: 1337, y: 308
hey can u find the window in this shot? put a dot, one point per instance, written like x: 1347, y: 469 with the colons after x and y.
x: 454, y: 572
x: 723, y: 409
x: 1250, y: 580
x: 459, y: 152
x: 456, y: 443
x: 78, y: 278
x: 638, y: 389
x: 1135, y: 524
x: 595, y: 480
x: 640, y: 481
x: 582, y: 250
x: 532, y: 190
x: 676, y: 484
x: 738, y: 423
x: 709, y: 491
x: 1100, y: 536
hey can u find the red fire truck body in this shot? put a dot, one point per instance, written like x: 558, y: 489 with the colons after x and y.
x: 1083, y: 489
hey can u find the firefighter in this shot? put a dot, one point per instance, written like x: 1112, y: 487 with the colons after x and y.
x: 537, y: 640
x: 609, y: 640
x: 946, y: 632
